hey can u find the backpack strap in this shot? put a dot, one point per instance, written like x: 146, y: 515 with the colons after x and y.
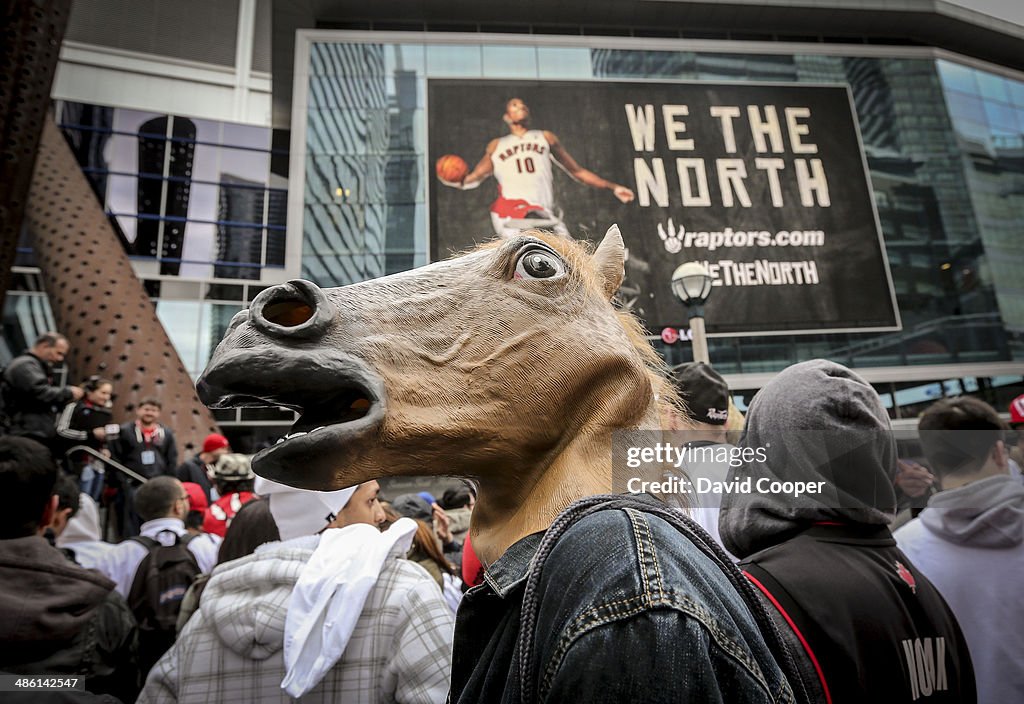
x: 690, y: 531
x: 151, y: 545
x: 136, y: 592
x: 145, y: 542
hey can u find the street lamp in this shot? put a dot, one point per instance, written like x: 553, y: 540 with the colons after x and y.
x: 691, y: 283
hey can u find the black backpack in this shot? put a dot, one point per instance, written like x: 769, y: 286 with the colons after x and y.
x: 163, y: 577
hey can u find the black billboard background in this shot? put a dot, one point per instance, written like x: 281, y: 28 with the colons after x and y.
x: 590, y: 120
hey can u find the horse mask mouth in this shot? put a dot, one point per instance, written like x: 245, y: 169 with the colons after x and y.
x: 270, y: 357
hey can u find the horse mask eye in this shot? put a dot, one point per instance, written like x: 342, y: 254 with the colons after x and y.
x: 539, y: 264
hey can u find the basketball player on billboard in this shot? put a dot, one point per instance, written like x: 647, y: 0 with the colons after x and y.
x: 521, y: 164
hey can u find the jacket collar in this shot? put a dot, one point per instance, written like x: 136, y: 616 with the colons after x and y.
x: 511, y: 569
x: 150, y: 529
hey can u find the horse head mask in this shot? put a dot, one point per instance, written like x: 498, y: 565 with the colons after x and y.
x: 502, y: 365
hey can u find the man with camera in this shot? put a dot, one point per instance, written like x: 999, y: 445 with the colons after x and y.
x: 30, y: 396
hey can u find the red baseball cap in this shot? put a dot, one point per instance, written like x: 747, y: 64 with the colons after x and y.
x: 196, y: 496
x: 214, y: 442
x: 1017, y: 411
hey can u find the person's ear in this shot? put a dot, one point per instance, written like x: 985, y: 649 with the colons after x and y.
x: 60, y: 520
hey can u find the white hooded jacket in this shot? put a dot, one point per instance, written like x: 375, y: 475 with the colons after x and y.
x: 232, y: 650
x: 82, y: 534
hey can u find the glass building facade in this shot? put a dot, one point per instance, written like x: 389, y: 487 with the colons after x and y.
x: 197, y: 210
x: 944, y: 144
x: 191, y: 194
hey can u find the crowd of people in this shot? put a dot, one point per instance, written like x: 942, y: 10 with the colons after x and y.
x: 217, y: 585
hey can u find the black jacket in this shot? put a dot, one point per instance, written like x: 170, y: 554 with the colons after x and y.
x: 194, y: 470
x: 77, y: 421
x: 75, y: 425
x: 872, y: 623
x: 30, y: 399
x: 129, y: 447
x: 57, y: 618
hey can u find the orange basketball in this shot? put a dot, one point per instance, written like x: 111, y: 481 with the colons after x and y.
x: 451, y: 168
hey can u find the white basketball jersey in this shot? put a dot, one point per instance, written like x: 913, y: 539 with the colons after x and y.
x: 522, y: 166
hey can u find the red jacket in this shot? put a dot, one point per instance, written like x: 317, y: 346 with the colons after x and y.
x: 221, y: 511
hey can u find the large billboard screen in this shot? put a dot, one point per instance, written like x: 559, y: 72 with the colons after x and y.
x: 764, y: 183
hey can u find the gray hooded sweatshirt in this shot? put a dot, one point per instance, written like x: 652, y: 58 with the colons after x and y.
x: 969, y: 542
x: 815, y: 422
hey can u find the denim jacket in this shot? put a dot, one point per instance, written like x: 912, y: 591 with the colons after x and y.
x: 623, y: 609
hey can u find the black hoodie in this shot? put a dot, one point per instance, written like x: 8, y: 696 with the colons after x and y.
x: 57, y: 618
x: 872, y: 627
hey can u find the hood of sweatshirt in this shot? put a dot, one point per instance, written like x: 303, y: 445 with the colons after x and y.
x: 815, y: 421
x: 988, y: 513
x: 45, y: 599
x: 329, y: 597
x: 246, y: 599
x: 84, y: 526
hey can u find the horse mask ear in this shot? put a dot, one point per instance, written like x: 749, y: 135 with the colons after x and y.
x: 609, y: 261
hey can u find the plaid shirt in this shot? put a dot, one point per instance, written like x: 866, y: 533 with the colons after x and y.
x: 232, y: 650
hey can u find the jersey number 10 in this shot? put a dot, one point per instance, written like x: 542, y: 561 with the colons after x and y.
x: 525, y: 165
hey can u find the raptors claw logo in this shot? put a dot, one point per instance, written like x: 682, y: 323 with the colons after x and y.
x: 907, y: 576
x: 672, y: 238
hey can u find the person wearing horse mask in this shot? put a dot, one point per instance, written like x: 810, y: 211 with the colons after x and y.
x: 866, y: 624
x: 515, y: 370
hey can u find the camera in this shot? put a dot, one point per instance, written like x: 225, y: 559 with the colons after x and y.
x: 112, y: 430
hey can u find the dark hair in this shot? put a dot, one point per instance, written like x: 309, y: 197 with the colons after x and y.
x: 27, y: 477
x: 194, y: 520
x: 251, y: 527
x: 49, y: 339
x: 94, y: 382
x: 156, y: 497
x: 68, y: 493
x: 425, y: 541
x: 958, y: 434
x: 458, y: 497
x: 150, y: 401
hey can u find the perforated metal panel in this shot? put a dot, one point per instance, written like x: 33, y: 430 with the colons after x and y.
x: 30, y: 42
x: 97, y: 300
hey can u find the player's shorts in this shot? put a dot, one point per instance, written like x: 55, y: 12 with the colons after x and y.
x: 536, y: 220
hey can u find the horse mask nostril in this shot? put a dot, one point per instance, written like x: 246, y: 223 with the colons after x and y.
x: 288, y: 314
x: 295, y: 309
